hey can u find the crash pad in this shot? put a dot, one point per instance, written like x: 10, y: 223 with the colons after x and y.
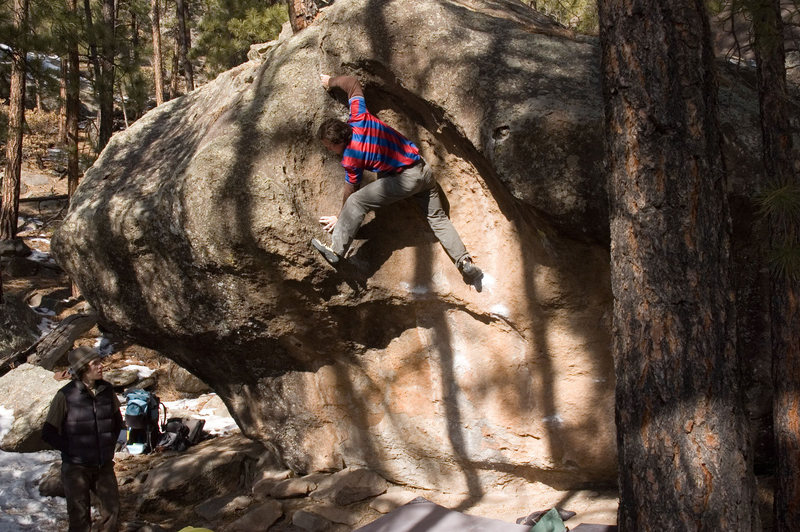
x: 422, y: 515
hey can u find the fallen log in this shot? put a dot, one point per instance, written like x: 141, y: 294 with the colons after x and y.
x: 57, y: 197
x: 48, y: 350
x: 51, y: 347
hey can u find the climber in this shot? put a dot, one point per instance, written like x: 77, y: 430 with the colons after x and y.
x: 366, y: 143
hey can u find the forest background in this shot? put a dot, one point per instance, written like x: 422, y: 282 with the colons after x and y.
x: 92, y: 69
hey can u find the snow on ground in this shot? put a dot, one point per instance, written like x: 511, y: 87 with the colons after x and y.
x: 215, y: 424
x: 21, y: 506
x: 22, y: 509
x: 142, y: 371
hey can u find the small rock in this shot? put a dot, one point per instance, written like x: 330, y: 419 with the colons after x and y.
x: 350, y: 485
x: 221, y: 506
x: 48, y: 298
x: 336, y: 514
x: 50, y: 484
x: 239, y: 503
x: 394, y: 498
x: 216, y: 406
x: 184, y: 381
x: 259, y: 518
x: 310, y: 521
x: 146, y: 383
x: 272, y: 475
x: 119, y: 378
x: 264, y: 482
x: 297, y: 487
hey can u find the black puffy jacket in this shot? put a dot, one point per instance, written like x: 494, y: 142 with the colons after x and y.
x: 91, y: 425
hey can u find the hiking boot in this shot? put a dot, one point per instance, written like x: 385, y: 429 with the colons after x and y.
x: 468, y: 270
x: 327, y: 253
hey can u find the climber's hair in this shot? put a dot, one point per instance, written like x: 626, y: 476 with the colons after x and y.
x: 335, y: 131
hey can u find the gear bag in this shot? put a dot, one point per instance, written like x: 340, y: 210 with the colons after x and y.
x: 142, y: 413
x: 180, y: 433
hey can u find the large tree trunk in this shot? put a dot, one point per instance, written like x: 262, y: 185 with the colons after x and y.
x: 9, y: 208
x: 301, y: 13
x: 158, y: 68
x: 683, y: 462
x: 106, y: 85
x: 173, y: 81
x: 62, y: 102
x: 91, y: 35
x: 181, y: 10
x: 72, y: 106
x: 94, y: 59
x: 779, y: 156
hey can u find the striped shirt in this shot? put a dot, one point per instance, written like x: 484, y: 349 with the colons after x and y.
x: 374, y: 146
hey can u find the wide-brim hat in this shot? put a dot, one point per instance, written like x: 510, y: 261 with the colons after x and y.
x: 78, y: 358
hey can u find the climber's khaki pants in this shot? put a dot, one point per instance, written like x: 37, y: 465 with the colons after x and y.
x: 417, y: 182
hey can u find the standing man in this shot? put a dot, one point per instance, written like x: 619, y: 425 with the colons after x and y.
x: 366, y: 143
x: 83, y: 423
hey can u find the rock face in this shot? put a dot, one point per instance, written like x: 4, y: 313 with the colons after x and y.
x: 190, y: 235
x: 27, y: 391
x: 18, y: 326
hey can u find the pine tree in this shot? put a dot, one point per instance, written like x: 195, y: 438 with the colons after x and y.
x: 9, y: 207
x: 105, y: 83
x: 681, y: 438
x: 227, y: 29
x: 158, y: 68
x: 72, y: 100
x: 781, y: 204
x: 184, y: 42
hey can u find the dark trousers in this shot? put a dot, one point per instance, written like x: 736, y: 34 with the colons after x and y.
x: 79, y: 481
x: 416, y: 182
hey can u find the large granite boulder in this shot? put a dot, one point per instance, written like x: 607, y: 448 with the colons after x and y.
x: 190, y: 235
x: 27, y: 391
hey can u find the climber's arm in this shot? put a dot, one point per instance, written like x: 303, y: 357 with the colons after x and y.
x: 349, y: 84
x: 329, y: 222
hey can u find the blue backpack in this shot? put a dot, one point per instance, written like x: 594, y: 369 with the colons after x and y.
x: 142, y: 413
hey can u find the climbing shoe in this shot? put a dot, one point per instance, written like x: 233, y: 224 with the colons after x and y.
x: 468, y: 270
x: 327, y: 253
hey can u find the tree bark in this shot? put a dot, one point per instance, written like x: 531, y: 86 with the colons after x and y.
x: 173, y: 82
x: 779, y: 156
x: 301, y: 13
x: 158, y: 68
x: 682, y: 446
x: 62, y: 107
x: 91, y: 35
x: 181, y: 10
x: 72, y: 106
x: 9, y: 207
x: 106, y: 82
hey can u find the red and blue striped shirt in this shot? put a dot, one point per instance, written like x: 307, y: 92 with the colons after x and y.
x: 374, y: 146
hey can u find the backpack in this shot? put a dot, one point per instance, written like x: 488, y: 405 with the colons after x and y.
x: 142, y: 413
x: 180, y: 433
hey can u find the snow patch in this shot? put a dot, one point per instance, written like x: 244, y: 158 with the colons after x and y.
x: 21, y: 506
x: 215, y: 424
x: 143, y: 371
x: 103, y: 346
